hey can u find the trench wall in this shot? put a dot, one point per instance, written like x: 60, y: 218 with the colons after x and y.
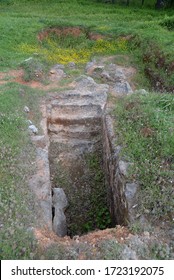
x: 115, y: 180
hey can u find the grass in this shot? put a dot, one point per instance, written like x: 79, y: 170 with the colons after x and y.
x: 110, y: 19
x: 151, y: 30
x: 152, y: 36
x: 145, y: 130
x: 16, y: 155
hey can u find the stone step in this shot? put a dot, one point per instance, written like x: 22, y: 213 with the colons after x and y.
x: 74, y: 97
x: 75, y: 111
x: 76, y: 136
x: 80, y: 97
x: 74, y: 114
x: 69, y: 120
x: 74, y: 131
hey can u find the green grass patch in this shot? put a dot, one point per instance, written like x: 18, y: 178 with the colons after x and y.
x: 145, y: 123
x: 16, y: 156
x: 146, y: 132
x: 152, y: 30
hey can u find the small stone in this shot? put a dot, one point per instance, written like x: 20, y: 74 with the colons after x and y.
x: 31, y: 256
x: 123, y: 166
x: 97, y: 71
x: 138, y: 215
x: 122, y: 87
x: 128, y: 254
x: 29, y: 122
x: 117, y: 150
x: 119, y: 75
x: 90, y: 66
x: 72, y: 64
x: 33, y: 129
x: 130, y: 190
x: 30, y: 229
x: 52, y: 71
x: 76, y: 238
x: 146, y: 234
x: 57, y: 74
x: 105, y: 75
x: 22, y: 92
x: 134, y: 206
x: 58, y: 66
x: 28, y: 59
x: 141, y: 91
x: 26, y: 109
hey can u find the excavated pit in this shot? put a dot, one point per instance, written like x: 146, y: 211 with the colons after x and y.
x: 75, y: 154
x: 79, y: 183
x: 78, y: 164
